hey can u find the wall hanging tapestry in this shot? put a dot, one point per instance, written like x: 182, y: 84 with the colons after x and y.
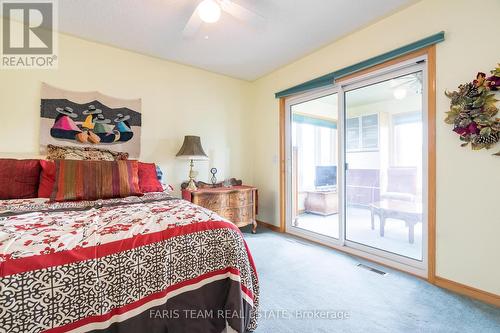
x: 473, y: 112
x: 89, y: 119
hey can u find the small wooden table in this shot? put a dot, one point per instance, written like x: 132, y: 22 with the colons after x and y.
x: 410, y: 212
x: 321, y: 202
x: 238, y: 204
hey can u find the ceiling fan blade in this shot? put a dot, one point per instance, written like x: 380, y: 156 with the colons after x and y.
x: 241, y: 13
x: 193, y: 25
x: 402, y: 84
x: 404, y: 80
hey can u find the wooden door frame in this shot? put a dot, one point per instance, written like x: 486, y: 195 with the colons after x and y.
x: 430, y: 52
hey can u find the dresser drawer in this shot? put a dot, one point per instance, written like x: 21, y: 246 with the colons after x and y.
x: 212, y: 201
x: 241, y: 198
x: 237, y: 215
x: 237, y: 204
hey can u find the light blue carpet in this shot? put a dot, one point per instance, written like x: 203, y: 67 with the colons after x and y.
x: 296, y: 275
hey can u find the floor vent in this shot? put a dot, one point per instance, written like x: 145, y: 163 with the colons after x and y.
x: 374, y: 270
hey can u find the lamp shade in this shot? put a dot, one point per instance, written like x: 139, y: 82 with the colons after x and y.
x: 191, y: 149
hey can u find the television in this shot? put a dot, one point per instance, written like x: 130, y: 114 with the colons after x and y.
x: 326, y: 176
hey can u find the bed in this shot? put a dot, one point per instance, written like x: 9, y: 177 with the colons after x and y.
x: 152, y: 263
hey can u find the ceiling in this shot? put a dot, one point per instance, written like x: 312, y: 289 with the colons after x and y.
x: 292, y: 29
x: 365, y: 99
x: 410, y: 85
x: 323, y: 107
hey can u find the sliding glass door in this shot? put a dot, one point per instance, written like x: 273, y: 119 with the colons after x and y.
x: 355, y: 159
x: 383, y: 154
x: 314, y: 163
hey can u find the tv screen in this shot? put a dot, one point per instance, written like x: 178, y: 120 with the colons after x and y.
x: 326, y: 176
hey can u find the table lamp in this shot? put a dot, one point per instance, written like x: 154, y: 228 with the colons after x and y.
x: 192, y: 150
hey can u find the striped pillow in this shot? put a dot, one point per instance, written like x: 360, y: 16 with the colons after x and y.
x: 92, y: 180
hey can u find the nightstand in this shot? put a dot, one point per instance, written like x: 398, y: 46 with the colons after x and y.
x: 238, y: 204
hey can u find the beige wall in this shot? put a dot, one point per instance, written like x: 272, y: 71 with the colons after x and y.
x: 238, y: 121
x: 176, y: 100
x: 468, y: 218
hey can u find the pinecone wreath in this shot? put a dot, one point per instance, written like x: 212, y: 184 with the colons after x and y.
x: 473, y: 112
x: 487, y: 140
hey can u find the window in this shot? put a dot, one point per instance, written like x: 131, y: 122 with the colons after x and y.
x: 326, y: 146
x: 362, y: 133
x: 315, y: 142
x: 407, y: 139
x: 352, y: 134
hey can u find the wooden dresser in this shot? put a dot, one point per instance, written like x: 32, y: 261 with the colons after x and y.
x: 238, y: 204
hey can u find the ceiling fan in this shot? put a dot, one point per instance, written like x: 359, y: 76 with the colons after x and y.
x: 209, y: 11
x: 401, y: 85
x: 407, y: 80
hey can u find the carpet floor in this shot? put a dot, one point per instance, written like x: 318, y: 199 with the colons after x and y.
x: 308, y: 288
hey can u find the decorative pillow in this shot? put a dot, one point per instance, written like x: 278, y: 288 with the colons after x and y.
x: 47, y: 178
x: 83, y: 153
x: 148, y: 180
x: 92, y: 180
x: 19, y: 178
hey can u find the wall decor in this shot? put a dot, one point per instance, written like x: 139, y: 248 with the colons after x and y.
x: 473, y: 111
x: 89, y: 119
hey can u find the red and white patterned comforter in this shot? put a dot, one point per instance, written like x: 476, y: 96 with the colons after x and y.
x: 95, y: 265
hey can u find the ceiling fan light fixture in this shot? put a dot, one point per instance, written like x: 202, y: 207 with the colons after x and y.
x: 209, y: 11
x: 399, y: 93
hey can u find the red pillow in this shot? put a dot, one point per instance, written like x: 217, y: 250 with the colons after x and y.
x: 148, y: 180
x: 19, y: 178
x: 47, y: 178
x: 92, y: 180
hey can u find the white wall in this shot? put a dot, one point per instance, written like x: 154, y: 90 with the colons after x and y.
x: 176, y: 100
x: 468, y: 218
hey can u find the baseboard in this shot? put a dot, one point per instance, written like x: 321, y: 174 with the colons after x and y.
x: 471, y: 292
x: 269, y: 226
